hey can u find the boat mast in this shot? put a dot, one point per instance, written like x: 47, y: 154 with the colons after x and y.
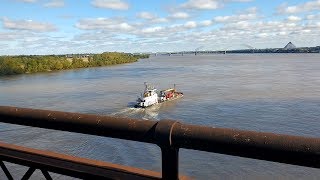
x: 145, y: 86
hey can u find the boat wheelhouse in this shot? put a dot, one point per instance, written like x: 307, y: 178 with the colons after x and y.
x: 148, y: 98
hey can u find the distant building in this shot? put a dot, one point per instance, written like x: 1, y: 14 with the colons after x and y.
x: 290, y: 46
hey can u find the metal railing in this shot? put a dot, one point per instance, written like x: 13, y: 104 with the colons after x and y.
x: 169, y: 135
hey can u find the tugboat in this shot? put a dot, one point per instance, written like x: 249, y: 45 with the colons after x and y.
x: 151, y: 97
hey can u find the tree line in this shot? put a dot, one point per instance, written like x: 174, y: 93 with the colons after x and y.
x: 10, y: 65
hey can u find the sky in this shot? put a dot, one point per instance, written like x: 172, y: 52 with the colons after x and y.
x: 95, y: 26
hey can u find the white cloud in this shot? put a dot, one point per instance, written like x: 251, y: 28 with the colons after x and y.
x: 205, y: 23
x: 306, y: 30
x: 232, y: 28
x: 314, y: 25
x: 28, y: 1
x: 170, y: 31
x: 271, y: 30
x: 313, y: 17
x: 249, y: 14
x: 54, y: 4
x: 108, y: 24
x: 174, y: 37
x: 294, y: 18
x: 152, y: 29
x: 263, y: 35
x: 159, y: 20
x: 252, y: 10
x: 310, y: 17
x: 151, y: 18
x: 304, y: 7
x: 190, y: 24
x: 93, y: 36
x: 202, y: 4
x: 207, y: 4
x: 179, y: 15
x: 125, y: 26
x: 184, y: 28
x: 146, y: 15
x: 241, y: 0
x: 3, y: 46
x: 16, y: 35
x: 28, y: 25
x: 111, y: 4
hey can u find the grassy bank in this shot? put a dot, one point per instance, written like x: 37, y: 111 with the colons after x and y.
x: 10, y: 65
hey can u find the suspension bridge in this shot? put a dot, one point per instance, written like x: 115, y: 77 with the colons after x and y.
x: 205, y: 50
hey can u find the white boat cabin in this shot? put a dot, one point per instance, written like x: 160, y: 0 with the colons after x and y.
x: 149, y: 97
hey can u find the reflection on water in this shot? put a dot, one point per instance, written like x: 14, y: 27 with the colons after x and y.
x: 270, y: 92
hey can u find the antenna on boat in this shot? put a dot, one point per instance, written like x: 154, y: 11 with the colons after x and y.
x: 174, y: 86
x: 145, y: 86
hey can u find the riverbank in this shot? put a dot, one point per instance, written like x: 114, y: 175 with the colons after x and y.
x: 11, y: 65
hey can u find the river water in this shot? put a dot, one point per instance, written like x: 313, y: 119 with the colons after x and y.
x: 263, y: 92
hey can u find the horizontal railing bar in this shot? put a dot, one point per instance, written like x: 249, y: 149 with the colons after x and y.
x: 296, y: 150
x: 304, y: 151
x: 108, y: 126
x: 70, y: 165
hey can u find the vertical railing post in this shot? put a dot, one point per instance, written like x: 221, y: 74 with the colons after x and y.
x: 170, y: 154
x: 170, y: 163
x: 6, y: 171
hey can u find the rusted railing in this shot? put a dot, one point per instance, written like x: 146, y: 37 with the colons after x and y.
x: 169, y: 135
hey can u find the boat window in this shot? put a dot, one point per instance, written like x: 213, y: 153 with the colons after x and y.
x: 147, y: 94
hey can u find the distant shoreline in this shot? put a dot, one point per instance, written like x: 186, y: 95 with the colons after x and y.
x: 27, y: 64
x: 303, y: 50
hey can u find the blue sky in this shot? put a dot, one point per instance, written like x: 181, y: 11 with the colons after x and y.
x: 94, y: 26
